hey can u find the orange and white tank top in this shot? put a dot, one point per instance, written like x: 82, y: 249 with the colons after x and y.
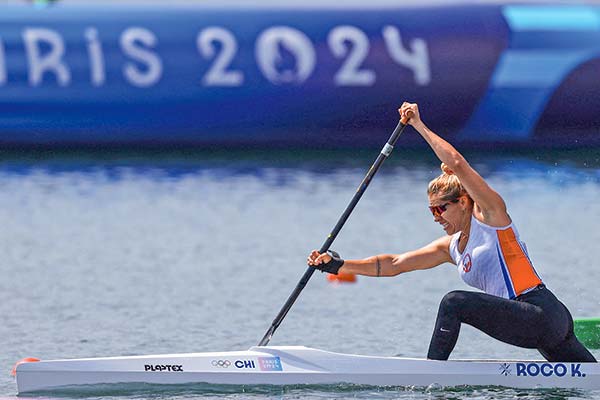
x: 495, y: 260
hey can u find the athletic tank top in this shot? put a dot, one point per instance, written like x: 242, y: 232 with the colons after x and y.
x: 495, y: 260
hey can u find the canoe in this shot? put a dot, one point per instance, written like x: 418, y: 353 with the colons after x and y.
x: 299, y: 365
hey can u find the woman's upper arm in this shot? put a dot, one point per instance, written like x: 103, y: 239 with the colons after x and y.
x: 429, y: 256
x: 491, y: 204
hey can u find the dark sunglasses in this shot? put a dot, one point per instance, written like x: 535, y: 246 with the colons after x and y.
x: 438, y: 210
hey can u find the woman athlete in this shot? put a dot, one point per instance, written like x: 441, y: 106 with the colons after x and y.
x: 484, y: 244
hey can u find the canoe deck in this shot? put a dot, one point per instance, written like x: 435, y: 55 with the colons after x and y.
x: 298, y: 365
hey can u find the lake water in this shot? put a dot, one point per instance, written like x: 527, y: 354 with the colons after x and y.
x: 187, y: 252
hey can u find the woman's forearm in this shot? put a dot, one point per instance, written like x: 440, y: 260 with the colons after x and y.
x: 380, y: 265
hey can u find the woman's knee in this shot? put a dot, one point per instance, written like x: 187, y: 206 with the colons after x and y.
x: 454, y: 301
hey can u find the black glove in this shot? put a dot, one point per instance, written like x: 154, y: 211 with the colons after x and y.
x: 333, y: 266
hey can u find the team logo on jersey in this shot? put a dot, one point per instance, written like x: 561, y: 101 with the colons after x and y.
x: 467, y: 263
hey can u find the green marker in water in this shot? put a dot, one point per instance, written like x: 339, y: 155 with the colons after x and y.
x: 587, y: 331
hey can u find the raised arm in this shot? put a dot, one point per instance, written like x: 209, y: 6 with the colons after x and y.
x: 489, y: 205
x: 429, y: 256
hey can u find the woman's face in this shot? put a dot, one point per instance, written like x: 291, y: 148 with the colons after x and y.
x: 448, y: 213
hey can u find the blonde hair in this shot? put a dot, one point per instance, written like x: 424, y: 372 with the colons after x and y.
x: 448, y: 186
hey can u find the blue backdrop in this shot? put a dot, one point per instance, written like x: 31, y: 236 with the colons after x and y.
x: 201, y: 74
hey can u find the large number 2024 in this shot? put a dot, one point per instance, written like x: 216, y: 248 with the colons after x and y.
x: 345, y: 42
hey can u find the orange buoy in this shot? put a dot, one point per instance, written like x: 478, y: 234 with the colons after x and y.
x: 23, y: 361
x: 342, y: 277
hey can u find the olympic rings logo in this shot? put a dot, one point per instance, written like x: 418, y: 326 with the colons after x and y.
x: 221, y: 363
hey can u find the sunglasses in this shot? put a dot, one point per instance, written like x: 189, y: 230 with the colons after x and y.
x: 438, y: 210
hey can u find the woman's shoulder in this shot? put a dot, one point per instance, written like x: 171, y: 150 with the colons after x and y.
x: 492, y: 219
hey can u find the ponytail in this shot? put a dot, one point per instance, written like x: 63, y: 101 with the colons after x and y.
x: 447, y: 185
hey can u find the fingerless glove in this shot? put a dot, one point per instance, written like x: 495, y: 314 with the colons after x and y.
x: 333, y: 266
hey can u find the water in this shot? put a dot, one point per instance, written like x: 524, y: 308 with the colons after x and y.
x: 146, y: 254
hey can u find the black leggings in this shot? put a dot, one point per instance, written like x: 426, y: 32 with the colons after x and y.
x: 535, y: 320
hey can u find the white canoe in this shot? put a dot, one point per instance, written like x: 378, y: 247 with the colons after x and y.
x: 298, y: 365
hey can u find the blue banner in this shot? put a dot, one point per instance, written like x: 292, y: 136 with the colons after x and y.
x: 200, y: 74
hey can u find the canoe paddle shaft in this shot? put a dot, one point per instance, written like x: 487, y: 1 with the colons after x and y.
x: 385, y: 152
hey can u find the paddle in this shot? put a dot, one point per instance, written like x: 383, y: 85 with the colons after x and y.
x: 587, y: 331
x: 385, y: 152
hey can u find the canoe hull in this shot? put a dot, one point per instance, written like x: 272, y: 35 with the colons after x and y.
x: 297, y: 365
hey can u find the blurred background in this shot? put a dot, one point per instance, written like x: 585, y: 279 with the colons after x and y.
x: 165, y: 168
x: 266, y: 73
